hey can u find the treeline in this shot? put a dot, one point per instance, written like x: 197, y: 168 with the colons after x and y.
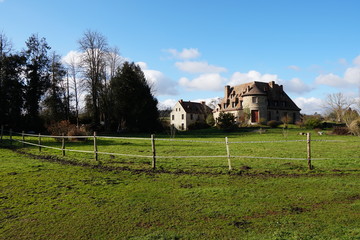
x: 37, y: 89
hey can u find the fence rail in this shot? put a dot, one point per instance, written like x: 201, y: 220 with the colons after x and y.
x: 153, y: 141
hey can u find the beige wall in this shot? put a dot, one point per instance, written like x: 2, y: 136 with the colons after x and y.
x: 180, y: 122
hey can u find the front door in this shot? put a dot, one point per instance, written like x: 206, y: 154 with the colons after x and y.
x: 254, y: 116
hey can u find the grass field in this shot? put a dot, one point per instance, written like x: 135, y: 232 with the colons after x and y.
x: 46, y: 198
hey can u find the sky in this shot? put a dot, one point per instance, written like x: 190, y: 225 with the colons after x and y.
x: 191, y: 49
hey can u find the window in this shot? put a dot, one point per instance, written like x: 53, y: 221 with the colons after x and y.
x: 182, y: 116
x: 254, y: 100
x: 182, y: 126
x: 172, y: 117
x: 191, y: 116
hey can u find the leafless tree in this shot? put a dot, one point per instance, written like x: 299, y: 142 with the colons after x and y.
x: 75, y: 82
x: 114, y: 60
x: 95, y: 50
x: 339, y: 104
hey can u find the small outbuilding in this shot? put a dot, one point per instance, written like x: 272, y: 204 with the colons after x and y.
x: 185, y: 113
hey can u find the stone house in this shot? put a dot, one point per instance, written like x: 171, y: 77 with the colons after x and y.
x: 185, y: 113
x: 258, y: 102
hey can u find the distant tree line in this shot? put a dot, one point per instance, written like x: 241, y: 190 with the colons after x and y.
x: 37, y: 89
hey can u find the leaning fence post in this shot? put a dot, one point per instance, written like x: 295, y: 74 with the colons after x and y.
x: 23, y: 138
x: 39, y: 142
x: 95, y: 148
x: 63, y: 145
x: 308, y: 141
x: 11, y: 136
x: 153, y: 151
x: 228, y: 152
x: 2, y: 132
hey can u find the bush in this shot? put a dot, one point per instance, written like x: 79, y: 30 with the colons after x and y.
x: 198, y: 125
x: 67, y: 129
x: 210, y: 120
x: 354, y: 127
x: 273, y: 123
x: 226, y: 121
x: 340, y: 131
x: 312, y: 123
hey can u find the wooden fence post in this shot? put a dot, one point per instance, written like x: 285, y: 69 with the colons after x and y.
x: 63, y: 145
x: 228, y: 153
x: 95, y: 148
x: 2, y: 132
x: 23, y: 138
x: 153, y: 151
x: 308, y: 141
x: 11, y: 136
x: 39, y: 142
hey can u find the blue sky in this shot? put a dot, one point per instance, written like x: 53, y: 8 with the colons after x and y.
x: 190, y: 49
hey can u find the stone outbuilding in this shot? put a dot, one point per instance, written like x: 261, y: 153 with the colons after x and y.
x: 258, y: 102
x: 186, y: 113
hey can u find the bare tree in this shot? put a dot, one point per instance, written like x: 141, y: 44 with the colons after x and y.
x: 95, y: 50
x: 339, y: 104
x: 75, y: 82
x: 114, y: 61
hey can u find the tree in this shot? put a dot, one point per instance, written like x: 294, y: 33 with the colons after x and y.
x: 338, y: 104
x: 56, y: 99
x: 11, y: 85
x: 226, y: 121
x: 37, y: 77
x: 94, y: 47
x: 134, y: 106
x: 75, y: 83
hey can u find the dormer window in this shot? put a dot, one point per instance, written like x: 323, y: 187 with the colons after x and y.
x: 254, y: 100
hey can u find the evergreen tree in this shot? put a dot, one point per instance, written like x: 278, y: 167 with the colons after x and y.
x: 134, y: 106
x: 11, y: 85
x: 55, y: 103
x: 37, y: 78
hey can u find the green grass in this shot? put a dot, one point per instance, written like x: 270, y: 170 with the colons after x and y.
x: 45, y: 200
x: 277, y: 151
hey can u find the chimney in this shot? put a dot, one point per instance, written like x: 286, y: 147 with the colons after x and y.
x: 181, y: 101
x: 227, y: 91
x: 272, y: 84
x: 203, y: 103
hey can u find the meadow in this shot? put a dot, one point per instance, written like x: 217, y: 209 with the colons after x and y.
x: 44, y: 195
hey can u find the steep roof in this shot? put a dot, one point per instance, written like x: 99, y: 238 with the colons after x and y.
x: 194, y: 107
x: 277, y: 98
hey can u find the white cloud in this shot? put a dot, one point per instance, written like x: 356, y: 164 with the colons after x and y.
x: 186, y: 53
x: 161, y: 84
x: 295, y: 68
x: 310, y: 105
x: 72, y: 56
x: 168, y: 103
x: 251, y: 76
x: 207, y: 82
x: 295, y: 85
x: 198, y: 67
x: 357, y: 61
x: 350, y: 79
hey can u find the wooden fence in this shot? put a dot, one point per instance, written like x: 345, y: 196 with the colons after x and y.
x: 153, y: 141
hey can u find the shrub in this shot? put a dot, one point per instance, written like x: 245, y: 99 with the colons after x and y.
x: 198, y: 125
x: 210, y: 120
x: 340, y: 131
x: 67, y: 129
x: 226, y: 121
x: 312, y: 123
x: 354, y: 127
x: 273, y: 123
